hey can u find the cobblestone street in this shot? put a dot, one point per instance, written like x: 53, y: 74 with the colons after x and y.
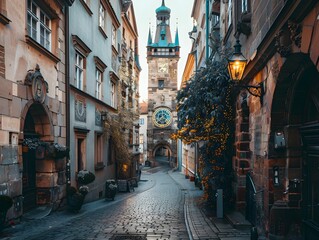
x: 156, y: 210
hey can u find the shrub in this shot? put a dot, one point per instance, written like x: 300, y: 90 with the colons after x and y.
x: 85, y: 177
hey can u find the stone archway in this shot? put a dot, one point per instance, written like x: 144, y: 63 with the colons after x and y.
x: 163, y: 152
x: 295, y: 106
x: 37, y: 127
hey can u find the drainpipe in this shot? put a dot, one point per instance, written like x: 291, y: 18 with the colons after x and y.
x: 67, y: 89
x: 207, y: 29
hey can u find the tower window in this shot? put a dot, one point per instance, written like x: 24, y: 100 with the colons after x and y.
x: 160, y: 84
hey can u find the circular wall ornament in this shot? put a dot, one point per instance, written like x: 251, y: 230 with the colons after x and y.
x: 162, y: 117
x: 38, y: 89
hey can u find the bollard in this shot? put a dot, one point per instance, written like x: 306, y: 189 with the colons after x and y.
x: 220, y: 210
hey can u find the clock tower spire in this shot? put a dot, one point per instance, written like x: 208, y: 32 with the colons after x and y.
x: 162, y: 59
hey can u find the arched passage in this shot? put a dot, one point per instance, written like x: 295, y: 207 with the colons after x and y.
x: 163, y: 152
x: 295, y: 113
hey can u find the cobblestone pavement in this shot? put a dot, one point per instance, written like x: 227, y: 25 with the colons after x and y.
x: 162, y: 207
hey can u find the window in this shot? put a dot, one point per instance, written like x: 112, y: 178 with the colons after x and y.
x: 160, y: 84
x: 98, y: 90
x: 98, y: 160
x: 215, y: 20
x: 79, y: 67
x: 112, y: 94
x: 114, y: 35
x: 80, y: 153
x: 102, y: 16
x: 39, y: 25
x: 100, y: 68
x: 244, y: 6
x: 130, y: 138
x: 3, y: 12
x: 82, y: 51
x: 229, y: 11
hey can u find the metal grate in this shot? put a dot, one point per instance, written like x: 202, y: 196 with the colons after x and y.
x: 128, y: 237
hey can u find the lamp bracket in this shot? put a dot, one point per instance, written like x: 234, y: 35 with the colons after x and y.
x: 255, y: 90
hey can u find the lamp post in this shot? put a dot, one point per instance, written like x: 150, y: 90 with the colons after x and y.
x: 236, y: 67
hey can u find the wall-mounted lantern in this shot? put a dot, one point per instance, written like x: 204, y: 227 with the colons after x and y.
x: 236, y: 67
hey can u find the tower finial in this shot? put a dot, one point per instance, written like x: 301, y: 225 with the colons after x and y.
x: 163, y: 2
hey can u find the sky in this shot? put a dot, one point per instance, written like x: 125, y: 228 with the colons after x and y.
x: 145, y: 15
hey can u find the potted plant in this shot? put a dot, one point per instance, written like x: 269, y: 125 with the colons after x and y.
x: 75, y: 199
x: 5, y: 204
x: 110, y: 189
x: 85, y: 177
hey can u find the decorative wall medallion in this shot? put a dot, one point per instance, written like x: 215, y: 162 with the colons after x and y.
x: 80, y: 111
x: 39, y: 86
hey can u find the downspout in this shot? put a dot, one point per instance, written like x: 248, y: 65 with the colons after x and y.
x: 67, y: 90
x: 207, y: 29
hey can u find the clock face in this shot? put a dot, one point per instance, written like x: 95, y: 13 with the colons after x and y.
x: 162, y: 117
x: 163, y: 67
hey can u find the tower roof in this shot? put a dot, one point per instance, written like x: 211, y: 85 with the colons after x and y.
x: 163, y: 9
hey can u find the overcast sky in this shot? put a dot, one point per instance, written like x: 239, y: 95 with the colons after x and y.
x: 180, y: 16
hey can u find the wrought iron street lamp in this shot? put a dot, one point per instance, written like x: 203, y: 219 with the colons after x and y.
x: 236, y: 67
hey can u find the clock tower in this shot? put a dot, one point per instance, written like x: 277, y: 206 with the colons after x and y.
x: 162, y: 60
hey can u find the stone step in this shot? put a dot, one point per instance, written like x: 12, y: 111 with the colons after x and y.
x: 238, y: 221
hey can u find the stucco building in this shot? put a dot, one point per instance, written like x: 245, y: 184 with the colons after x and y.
x: 33, y: 126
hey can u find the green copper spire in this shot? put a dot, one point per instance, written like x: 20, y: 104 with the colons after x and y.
x: 176, y: 38
x: 149, y: 41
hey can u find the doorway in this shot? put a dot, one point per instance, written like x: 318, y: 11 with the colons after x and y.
x: 29, y: 166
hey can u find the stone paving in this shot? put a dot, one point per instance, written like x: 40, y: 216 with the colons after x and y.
x: 162, y: 207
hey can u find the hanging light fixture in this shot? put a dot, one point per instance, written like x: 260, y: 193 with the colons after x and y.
x: 237, y: 63
x: 236, y: 67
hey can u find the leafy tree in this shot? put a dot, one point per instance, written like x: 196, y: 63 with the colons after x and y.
x: 205, y: 113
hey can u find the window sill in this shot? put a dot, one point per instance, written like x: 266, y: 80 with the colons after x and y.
x: 4, y: 20
x: 102, y: 32
x: 86, y: 7
x: 42, y: 49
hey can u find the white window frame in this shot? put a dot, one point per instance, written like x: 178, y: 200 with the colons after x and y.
x: 114, y: 36
x: 113, y: 93
x: 79, y: 70
x: 244, y: 6
x: 229, y: 13
x: 102, y: 17
x: 99, y: 80
x: 38, y: 25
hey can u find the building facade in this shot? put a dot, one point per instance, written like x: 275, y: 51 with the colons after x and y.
x: 129, y: 87
x: 276, y: 136
x: 162, y: 59
x: 33, y: 129
x: 104, y: 82
x: 94, y: 45
x: 276, y: 131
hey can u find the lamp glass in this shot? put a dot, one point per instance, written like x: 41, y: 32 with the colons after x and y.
x: 236, y: 66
